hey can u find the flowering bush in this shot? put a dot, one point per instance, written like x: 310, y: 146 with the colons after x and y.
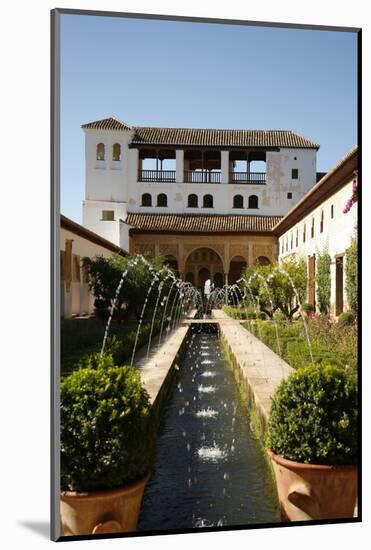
x: 354, y: 197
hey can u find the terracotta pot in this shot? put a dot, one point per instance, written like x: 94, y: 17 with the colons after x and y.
x: 111, y: 511
x: 312, y: 491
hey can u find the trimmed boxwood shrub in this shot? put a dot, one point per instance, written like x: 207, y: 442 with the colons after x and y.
x: 346, y: 318
x: 314, y: 416
x: 106, y: 435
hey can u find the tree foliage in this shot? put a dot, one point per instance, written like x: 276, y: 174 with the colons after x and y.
x: 279, y: 286
x: 323, y: 279
x: 105, y: 275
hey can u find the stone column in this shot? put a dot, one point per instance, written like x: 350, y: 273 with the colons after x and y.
x: 226, y: 284
x: 179, y: 166
x: 225, y: 166
x: 251, y: 256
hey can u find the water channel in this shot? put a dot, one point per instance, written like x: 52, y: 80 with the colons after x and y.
x: 210, y: 469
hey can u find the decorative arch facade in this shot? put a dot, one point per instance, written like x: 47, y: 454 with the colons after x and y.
x: 248, y: 248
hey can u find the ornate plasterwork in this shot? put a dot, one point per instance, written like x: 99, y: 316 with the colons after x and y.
x: 169, y: 250
x: 239, y: 250
x: 218, y: 248
x: 262, y: 250
x: 141, y: 248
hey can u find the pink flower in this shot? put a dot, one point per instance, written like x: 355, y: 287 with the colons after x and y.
x: 348, y: 206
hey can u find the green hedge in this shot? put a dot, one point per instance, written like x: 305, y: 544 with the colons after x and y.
x: 106, y: 434
x: 243, y: 313
x: 313, y: 417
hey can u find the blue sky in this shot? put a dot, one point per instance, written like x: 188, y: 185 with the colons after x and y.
x: 184, y: 74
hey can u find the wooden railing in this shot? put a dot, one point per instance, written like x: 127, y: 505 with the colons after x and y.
x: 256, y: 178
x: 157, y: 175
x: 204, y: 176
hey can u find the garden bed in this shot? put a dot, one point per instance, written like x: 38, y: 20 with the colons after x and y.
x: 82, y: 338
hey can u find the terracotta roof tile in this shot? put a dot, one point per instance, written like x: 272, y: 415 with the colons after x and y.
x: 220, y: 138
x: 205, y: 136
x: 194, y: 223
x: 111, y: 123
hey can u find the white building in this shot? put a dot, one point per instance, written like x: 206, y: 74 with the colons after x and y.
x: 78, y: 242
x: 317, y: 221
x: 142, y: 170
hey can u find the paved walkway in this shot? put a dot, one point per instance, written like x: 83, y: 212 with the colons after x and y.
x: 261, y: 369
x: 156, y: 369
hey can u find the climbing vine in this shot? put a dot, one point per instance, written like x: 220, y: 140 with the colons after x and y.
x: 351, y: 274
x: 323, y: 280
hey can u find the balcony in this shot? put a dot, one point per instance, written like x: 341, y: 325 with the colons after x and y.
x: 160, y: 176
x: 252, y: 178
x: 204, y: 176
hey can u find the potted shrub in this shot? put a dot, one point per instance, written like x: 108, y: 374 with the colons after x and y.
x: 106, y: 449
x: 312, y: 440
x: 308, y: 309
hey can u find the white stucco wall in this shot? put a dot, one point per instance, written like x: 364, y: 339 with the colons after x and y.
x: 113, y: 185
x: 77, y: 299
x: 336, y: 235
x: 92, y: 219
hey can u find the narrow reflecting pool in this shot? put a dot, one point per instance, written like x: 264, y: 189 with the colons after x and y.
x: 209, y: 469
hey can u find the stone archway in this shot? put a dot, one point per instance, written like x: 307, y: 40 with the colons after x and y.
x: 203, y: 275
x: 201, y: 262
x: 262, y: 260
x: 236, y: 267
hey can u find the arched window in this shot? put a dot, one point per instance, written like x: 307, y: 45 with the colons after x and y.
x: 100, y: 151
x: 190, y: 277
x: 146, y: 199
x: 263, y: 260
x: 208, y: 201
x: 321, y: 222
x: 161, y: 199
x: 238, y: 201
x: 253, y: 201
x: 116, y: 152
x: 192, y: 201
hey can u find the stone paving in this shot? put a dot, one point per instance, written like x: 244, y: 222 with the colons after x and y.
x: 260, y: 368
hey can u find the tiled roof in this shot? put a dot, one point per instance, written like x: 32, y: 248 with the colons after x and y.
x: 220, y: 138
x: 194, y: 223
x: 111, y: 123
x: 205, y: 137
x: 74, y: 227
